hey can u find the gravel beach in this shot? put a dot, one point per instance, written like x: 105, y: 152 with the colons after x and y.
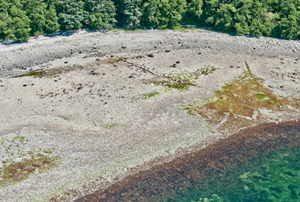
x: 101, y: 114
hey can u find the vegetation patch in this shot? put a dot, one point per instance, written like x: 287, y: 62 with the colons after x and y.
x: 22, y: 161
x: 183, y: 80
x: 112, y: 125
x: 50, y: 72
x: 60, y: 70
x: 149, y: 95
x: 239, y: 102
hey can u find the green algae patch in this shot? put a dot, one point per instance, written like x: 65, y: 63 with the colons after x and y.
x: 50, y: 72
x: 240, y: 102
x: 183, y: 80
x: 22, y: 161
x: 60, y: 70
x: 112, y: 125
x: 149, y: 95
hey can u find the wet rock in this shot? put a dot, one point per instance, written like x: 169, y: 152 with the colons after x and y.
x: 93, y: 72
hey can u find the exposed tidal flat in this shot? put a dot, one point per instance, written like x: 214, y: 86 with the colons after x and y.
x: 98, y: 108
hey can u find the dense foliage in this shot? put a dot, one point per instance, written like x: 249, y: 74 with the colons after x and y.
x: 20, y: 19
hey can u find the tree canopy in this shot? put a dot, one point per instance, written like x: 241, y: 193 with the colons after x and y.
x: 20, y: 19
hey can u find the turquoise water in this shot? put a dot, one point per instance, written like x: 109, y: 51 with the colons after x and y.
x: 273, y: 177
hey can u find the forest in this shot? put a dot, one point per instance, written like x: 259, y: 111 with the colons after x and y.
x: 20, y: 19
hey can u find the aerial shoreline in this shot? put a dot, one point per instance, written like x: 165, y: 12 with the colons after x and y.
x: 97, y: 112
x: 212, y: 160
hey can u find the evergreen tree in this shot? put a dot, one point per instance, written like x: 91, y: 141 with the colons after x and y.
x: 288, y: 24
x: 51, y: 20
x: 70, y: 14
x: 129, y: 12
x: 4, y: 20
x: 242, y: 16
x: 101, y: 13
x: 209, y: 12
x: 225, y: 15
x: 15, y: 25
x: 163, y: 13
x: 193, y: 12
x: 35, y: 10
x: 258, y: 19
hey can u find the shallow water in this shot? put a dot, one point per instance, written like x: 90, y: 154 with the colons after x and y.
x: 272, y: 177
x: 261, y: 163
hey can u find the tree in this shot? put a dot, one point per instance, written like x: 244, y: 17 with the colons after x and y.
x: 209, y: 11
x: 287, y: 25
x: 193, y: 12
x: 225, y: 16
x: 14, y: 24
x: 242, y: 16
x: 70, y: 14
x: 4, y: 20
x: 163, y: 13
x: 259, y: 24
x: 51, y: 20
x: 101, y: 13
x: 129, y: 12
x: 35, y: 10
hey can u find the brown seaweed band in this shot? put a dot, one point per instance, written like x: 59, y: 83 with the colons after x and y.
x: 239, y: 148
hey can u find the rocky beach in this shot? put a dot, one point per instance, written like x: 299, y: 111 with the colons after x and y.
x: 79, y: 113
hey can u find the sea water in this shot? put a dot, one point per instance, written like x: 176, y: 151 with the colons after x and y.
x: 272, y: 177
